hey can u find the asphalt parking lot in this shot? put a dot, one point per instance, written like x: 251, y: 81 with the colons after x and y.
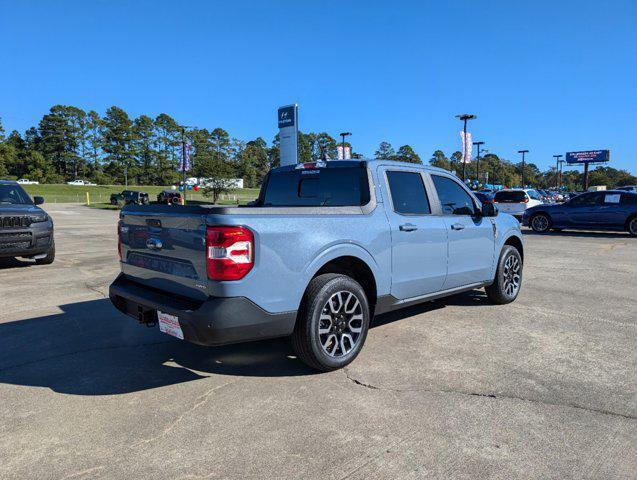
x: 543, y: 388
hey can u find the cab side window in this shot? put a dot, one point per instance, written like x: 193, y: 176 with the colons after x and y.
x: 408, y: 193
x: 587, y: 200
x: 453, y: 198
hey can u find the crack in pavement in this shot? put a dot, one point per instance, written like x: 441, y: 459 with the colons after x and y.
x: 83, y: 472
x: 371, y: 386
x: 95, y: 288
x: 67, y: 354
x: 199, y: 401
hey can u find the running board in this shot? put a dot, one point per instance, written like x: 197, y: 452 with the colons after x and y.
x: 388, y: 303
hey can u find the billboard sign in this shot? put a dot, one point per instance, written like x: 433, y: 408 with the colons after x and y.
x: 288, y: 134
x: 589, y: 156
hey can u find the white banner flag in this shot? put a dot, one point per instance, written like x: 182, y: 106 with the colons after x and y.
x: 339, y: 152
x: 467, y: 147
x: 348, y: 153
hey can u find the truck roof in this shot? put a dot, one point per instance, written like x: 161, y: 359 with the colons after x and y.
x: 368, y: 163
x: 8, y: 182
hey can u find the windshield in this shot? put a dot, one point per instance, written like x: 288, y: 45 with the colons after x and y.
x: 13, y: 195
x: 316, y: 187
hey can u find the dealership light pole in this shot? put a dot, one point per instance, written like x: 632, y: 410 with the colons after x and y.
x: 478, y: 161
x: 343, y: 135
x: 561, y: 162
x: 523, y: 152
x: 465, y: 117
x: 557, y: 170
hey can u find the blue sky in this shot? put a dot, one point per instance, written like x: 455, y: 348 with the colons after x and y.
x: 548, y: 76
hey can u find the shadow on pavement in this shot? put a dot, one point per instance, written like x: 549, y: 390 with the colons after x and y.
x: 6, y: 263
x: 90, y: 348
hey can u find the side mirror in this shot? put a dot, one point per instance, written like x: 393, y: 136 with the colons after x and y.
x: 37, y: 200
x: 489, y: 209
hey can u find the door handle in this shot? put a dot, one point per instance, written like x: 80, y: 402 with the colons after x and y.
x: 457, y: 226
x: 408, y: 227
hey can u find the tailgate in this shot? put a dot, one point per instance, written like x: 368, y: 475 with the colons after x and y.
x: 165, y: 250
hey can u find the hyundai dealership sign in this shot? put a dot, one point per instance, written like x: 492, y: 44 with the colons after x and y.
x: 288, y: 117
x: 590, y: 156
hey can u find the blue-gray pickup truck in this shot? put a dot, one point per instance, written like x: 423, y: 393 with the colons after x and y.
x: 324, y: 248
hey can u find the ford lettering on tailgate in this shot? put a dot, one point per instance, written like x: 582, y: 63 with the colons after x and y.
x: 166, y: 265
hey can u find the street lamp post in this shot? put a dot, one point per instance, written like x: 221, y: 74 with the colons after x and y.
x: 523, y: 152
x: 465, y: 117
x: 343, y: 135
x: 478, y: 160
x: 557, y: 171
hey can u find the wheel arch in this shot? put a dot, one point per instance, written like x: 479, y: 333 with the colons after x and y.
x: 355, y: 267
x: 629, y: 219
x: 516, y: 242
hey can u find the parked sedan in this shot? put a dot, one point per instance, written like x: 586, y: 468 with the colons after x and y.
x: 26, y: 181
x: 608, y: 210
x: 81, y: 183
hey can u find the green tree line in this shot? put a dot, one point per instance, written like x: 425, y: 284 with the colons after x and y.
x: 497, y: 170
x: 70, y: 143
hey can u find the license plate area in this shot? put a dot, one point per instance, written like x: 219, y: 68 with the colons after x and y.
x: 169, y: 324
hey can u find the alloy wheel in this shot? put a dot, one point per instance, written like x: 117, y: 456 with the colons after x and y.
x: 511, y: 273
x: 540, y: 223
x: 341, y: 324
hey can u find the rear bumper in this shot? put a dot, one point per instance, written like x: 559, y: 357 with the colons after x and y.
x: 215, y: 321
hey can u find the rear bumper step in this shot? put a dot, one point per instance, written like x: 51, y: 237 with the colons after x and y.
x: 215, y: 321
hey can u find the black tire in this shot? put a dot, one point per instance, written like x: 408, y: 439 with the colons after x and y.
x: 309, y: 344
x: 540, y: 223
x: 48, y: 260
x: 631, y: 226
x: 499, y: 292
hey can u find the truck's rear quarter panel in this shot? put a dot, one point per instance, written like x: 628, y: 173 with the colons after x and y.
x: 289, y: 249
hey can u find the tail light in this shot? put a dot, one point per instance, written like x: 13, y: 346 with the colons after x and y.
x: 119, y: 240
x: 229, y: 252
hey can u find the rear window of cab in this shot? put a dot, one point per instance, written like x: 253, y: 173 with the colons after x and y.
x: 316, y: 187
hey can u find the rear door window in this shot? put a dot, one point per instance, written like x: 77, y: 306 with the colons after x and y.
x: 453, y: 198
x: 408, y: 193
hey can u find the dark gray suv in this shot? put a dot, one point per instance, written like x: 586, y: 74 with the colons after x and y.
x: 25, y: 229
